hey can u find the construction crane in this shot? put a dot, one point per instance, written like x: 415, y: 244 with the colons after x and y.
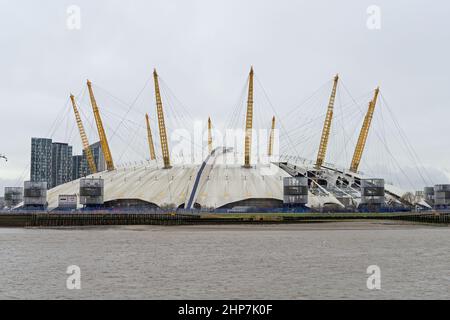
x: 210, y: 146
x: 271, y: 138
x: 161, y: 123
x: 101, y: 131
x: 84, y: 139
x: 150, y: 138
x: 327, y: 126
x: 249, y: 122
x: 364, y: 133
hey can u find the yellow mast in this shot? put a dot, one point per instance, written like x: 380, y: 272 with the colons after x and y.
x: 101, y: 131
x: 249, y: 122
x: 209, y: 135
x: 271, y: 138
x: 327, y: 126
x: 359, y: 149
x: 84, y: 139
x: 150, y: 139
x: 161, y: 123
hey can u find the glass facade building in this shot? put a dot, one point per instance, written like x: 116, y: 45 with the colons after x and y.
x: 61, y: 163
x: 53, y: 162
x: 79, y: 167
x: 99, y: 158
x: 41, y: 160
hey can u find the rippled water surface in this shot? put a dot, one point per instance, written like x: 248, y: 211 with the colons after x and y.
x: 305, y: 261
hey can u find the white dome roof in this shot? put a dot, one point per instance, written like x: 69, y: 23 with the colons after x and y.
x: 211, y: 184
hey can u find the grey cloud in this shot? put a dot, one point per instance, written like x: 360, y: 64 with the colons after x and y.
x: 203, y: 50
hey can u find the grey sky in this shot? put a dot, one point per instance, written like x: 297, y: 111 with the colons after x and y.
x: 203, y: 50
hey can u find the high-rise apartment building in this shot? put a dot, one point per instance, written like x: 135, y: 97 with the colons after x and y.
x: 50, y: 162
x: 61, y: 163
x: 79, y: 167
x: 99, y: 158
x: 41, y: 160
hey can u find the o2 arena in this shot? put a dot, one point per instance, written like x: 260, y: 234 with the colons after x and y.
x: 233, y: 178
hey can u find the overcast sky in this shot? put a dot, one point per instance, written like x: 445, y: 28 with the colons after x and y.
x: 203, y: 51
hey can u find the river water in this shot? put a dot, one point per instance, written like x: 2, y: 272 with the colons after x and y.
x: 302, y: 261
